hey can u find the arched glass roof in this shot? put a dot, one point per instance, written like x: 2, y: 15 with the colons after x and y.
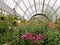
x: 27, y: 8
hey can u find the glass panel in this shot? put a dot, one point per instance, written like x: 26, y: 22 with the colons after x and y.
x: 57, y: 4
x: 52, y: 2
x: 27, y: 13
x: 58, y: 13
x: 19, y: 11
x: 46, y: 1
x: 22, y: 6
x: 26, y: 17
x: 27, y: 6
x: 10, y: 3
x: 31, y: 1
x: 16, y: 0
x: 46, y: 4
x: 33, y: 7
x: 26, y: 3
x: 41, y: 5
x: 30, y: 10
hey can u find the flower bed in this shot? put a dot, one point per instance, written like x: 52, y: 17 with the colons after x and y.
x: 28, y: 33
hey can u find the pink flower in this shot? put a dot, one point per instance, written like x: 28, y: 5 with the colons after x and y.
x: 52, y: 25
x: 24, y: 37
x: 32, y: 37
x: 39, y: 37
x: 28, y: 34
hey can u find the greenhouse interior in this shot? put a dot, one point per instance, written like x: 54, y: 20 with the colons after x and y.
x: 29, y: 22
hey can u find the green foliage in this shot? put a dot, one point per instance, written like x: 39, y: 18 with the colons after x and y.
x: 58, y: 24
x: 8, y: 33
x: 51, y: 35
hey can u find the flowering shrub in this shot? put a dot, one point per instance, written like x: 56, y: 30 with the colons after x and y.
x: 6, y: 29
x: 29, y: 33
x: 52, y: 25
x: 32, y: 37
x: 47, y: 31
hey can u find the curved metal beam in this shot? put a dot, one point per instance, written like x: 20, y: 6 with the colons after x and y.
x: 39, y: 14
x: 35, y: 5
